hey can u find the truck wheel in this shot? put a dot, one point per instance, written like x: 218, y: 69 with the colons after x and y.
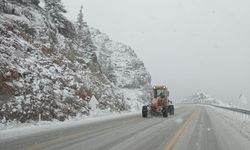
x: 171, y: 109
x: 165, y: 112
x: 144, y: 111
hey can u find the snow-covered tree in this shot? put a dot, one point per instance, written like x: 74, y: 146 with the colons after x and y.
x: 80, y: 23
x: 55, y: 10
x: 54, y: 6
x: 83, y: 33
x: 1, y: 6
x: 36, y: 2
x: 57, y: 22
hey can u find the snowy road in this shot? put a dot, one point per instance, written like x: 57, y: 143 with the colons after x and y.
x: 193, y: 127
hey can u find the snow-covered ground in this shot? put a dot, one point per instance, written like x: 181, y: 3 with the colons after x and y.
x: 16, y: 130
x: 239, y: 121
x: 95, y: 114
x: 242, y: 102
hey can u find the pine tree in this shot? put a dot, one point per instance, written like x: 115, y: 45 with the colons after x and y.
x: 80, y: 23
x: 55, y: 10
x: 36, y: 2
x: 83, y: 33
x: 54, y: 13
x: 55, y: 6
x: 1, y: 6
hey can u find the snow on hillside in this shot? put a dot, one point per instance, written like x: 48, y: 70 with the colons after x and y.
x: 122, y: 67
x: 242, y: 102
x: 203, y: 98
x: 49, y: 68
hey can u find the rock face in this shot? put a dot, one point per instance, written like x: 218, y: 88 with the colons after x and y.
x: 203, y: 98
x: 44, y: 70
x: 121, y: 66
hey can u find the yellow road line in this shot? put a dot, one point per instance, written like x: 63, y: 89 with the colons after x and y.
x: 171, y: 145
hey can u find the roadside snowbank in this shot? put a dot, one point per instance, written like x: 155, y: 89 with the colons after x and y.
x: 239, y: 121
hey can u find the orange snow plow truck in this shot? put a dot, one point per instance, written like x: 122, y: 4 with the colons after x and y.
x: 160, y: 104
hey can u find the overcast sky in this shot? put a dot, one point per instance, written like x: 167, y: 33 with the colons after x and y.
x: 189, y: 45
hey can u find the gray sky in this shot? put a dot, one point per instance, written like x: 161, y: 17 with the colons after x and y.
x: 189, y: 45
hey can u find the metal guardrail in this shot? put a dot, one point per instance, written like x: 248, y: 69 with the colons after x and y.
x: 227, y: 108
x: 234, y: 109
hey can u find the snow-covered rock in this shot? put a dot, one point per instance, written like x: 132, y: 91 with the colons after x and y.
x: 45, y: 72
x: 123, y: 68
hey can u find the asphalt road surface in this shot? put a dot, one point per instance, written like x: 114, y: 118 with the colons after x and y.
x: 193, y: 127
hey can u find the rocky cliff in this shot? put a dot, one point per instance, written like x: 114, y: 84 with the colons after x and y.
x: 122, y: 67
x: 46, y: 70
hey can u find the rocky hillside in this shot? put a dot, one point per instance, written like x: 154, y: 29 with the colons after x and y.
x: 203, y: 98
x: 52, y: 67
x: 121, y: 66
